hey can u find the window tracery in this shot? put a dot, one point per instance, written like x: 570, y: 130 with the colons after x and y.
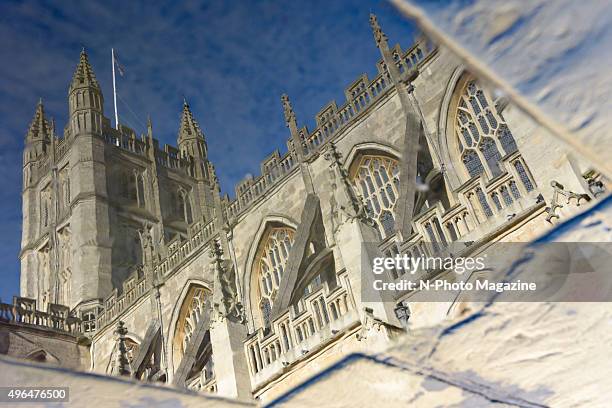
x: 185, y: 207
x: 522, y: 172
x: 189, y: 315
x: 270, y: 264
x: 481, y: 132
x: 377, y: 179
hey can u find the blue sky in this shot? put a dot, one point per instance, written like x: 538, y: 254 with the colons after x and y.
x: 232, y: 61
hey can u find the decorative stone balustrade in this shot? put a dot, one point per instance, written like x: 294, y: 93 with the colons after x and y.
x: 250, y: 189
x: 133, y: 289
x: 208, y: 386
x: 201, y: 234
x: 137, y: 286
x: 23, y: 311
x: 327, y: 312
x: 484, y: 205
x: 409, y: 59
x: 126, y: 142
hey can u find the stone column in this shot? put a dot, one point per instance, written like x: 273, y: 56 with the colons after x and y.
x: 231, y: 370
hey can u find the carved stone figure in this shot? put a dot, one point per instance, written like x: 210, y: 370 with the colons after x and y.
x: 227, y: 304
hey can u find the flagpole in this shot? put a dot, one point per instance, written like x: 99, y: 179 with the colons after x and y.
x: 115, y: 90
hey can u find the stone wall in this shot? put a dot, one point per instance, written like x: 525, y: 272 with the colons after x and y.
x: 44, y: 345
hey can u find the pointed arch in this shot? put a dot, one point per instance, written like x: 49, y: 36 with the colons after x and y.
x: 362, y: 148
x: 175, y: 338
x: 472, y: 133
x: 374, y: 171
x: 446, y: 142
x: 267, y: 224
x: 185, y: 207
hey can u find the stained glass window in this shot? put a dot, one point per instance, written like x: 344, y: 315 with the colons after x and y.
x: 496, y: 201
x: 506, y: 139
x: 515, y: 191
x: 127, y: 186
x: 140, y: 190
x: 270, y: 264
x: 520, y: 169
x: 432, y: 237
x: 377, y: 178
x: 483, y: 202
x: 506, y: 195
x: 184, y: 206
x: 438, y: 227
x: 472, y: 163
x: 189, y: 315
x: 491, y: 155
x: 479, y: 128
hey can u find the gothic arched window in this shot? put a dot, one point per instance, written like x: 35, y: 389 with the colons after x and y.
x: 190, y: 314
x: 481, y: 132
x: 185, y: 207
x: 377, y: 179
x: 270, y: 265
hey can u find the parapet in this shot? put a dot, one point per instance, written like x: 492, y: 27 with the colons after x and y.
x: 330, y: 121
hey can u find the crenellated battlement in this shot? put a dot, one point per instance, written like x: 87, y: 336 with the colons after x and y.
x: 330, y: 121
x: 189, y: 157
x: 126, y: 140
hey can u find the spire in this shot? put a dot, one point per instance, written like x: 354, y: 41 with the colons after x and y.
x: 289, y: 114
x: 291, y: 123
x: 40, y: 128
x: 379, y: 35
x: 189, y: 128
x: 84, y: 75
x: 297, y: 141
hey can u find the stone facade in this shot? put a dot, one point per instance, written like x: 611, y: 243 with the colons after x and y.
x: 248, y: 297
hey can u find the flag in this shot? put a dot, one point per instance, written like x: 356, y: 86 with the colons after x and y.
x: 120, y: 67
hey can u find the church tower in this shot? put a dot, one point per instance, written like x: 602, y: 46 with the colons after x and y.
x: 192, y: 146
x: 66, y: 246
x: 89, y: 218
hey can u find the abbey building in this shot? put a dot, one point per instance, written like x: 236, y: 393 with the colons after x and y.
x: 133, y: 263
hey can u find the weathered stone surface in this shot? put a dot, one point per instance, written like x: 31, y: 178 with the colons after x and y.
x: 550, y: 57
x: 132, y: 236
x: 44, y: 345
x: 516, y: 354
x: 102, y: 391
x: 310, y: 232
